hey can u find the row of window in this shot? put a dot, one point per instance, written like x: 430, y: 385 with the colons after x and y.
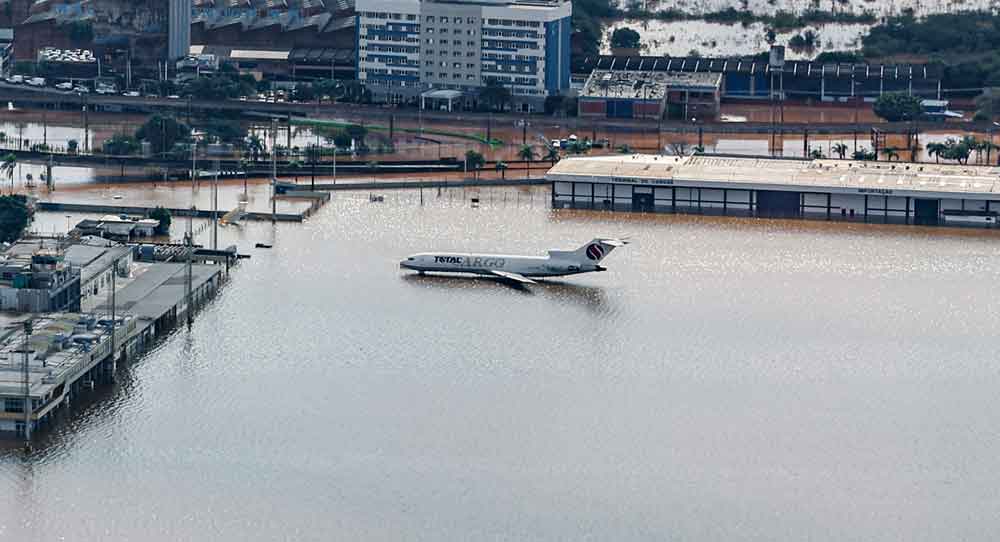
x: 531, y: 34
x: 398, y: 39
x: 390, y: 27
x: 444, y: 19
x: 504, y: 56
x: 380, y: 48
x: 385, y: 71
x: 389, y: 16
x: 509, y: 45
x: 443, y: 75
x: 393, y: 61
x: 445, y: 31
x: 445, y: 53
x: 507, y: 68
x: 509, y: 22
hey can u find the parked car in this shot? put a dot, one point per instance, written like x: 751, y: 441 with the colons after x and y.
x: 65, y: 85
x: 556, y: 144
x: 36, y: 81
x: 81, y: 89
x: 131, y: 94
x: 15, y: 79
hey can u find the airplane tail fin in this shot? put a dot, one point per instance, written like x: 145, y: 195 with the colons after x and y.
x: 597, y: 249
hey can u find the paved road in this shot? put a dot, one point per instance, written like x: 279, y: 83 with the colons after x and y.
x: 478, y: 122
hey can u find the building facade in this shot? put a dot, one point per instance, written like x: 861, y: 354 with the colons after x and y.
x: 406, y: 47
x: 179, y: 30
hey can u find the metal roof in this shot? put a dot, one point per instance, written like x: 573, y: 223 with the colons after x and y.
x: 970, y: 182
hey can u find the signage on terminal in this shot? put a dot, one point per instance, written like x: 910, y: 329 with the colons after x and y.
x: 626, y: 180
x: 883, y: 191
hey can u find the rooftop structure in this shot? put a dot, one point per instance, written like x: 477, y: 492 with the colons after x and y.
x: 36, y: 278
x: 639, y: 94
x: 920, y: 193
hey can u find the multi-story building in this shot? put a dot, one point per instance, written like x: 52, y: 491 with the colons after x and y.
x: 407, y: 47
x: 179, y: 29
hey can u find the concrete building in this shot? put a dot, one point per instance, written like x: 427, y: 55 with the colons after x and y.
x: 179, y: 29
x: 902, y: 193
x: 650, y: 95
x: 407, y: 47
x: 34, y: 278
x: 6, y: 49
x: 750, y: 78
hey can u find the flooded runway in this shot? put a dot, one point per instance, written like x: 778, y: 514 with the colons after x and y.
x: 726, y: 379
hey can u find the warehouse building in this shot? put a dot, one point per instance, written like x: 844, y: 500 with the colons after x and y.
x: 650, y: 95
x: 929, y: 194
x: 750, y: 78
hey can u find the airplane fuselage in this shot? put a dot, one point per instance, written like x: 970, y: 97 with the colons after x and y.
x: 487, y: 264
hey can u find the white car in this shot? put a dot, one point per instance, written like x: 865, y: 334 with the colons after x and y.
x: 81, y: 89
x: 64, y: 86
x: 556, y: 144
x: 174, y: 97
x: 131, y: 94
x: 15, y: 79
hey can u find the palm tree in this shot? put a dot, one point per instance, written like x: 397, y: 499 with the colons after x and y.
x: 816, y: 154
x: 527, y: 153
x: 625, y: 149
x: 552, y: 155
x: 501, y: 167
x: 255, y: 146
x: 7, y: 168
x: 935, y: 150
x: 840, y: 149
x: 891, y: 153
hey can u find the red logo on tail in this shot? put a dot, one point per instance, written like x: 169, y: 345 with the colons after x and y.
x: 595, y: 252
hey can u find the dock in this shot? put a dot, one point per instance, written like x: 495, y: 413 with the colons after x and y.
x: 68, y: 353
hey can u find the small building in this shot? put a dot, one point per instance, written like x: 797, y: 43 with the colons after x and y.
x: 121, y: 227
x: 650, y: 95
x: 6, y: 49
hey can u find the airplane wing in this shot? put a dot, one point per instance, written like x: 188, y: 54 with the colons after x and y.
x: 516, y: 277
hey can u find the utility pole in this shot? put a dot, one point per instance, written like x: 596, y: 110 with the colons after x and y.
x: 114, y: 273
x: 27, y: 382
x: 188, y: 287
x: 274, y: 170
x: 215, y: 207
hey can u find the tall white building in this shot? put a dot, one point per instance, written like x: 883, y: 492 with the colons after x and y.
x: 179, y: 29
x: 406, y: 47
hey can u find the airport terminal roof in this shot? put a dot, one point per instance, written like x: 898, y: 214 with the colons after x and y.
x: 971, y: 182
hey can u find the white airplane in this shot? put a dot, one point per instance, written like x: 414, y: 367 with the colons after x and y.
x: 517, y: 268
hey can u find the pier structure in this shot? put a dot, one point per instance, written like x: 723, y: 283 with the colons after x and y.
x: 47, y: 360
x: 886, y: 192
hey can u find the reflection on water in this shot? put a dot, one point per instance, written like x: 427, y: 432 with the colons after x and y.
x: 728, y: 370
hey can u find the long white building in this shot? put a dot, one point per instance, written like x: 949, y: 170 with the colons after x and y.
x: 890, y: 192
x: 408, y: 47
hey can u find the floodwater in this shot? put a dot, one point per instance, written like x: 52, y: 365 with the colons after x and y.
x: 725, y: 379
x: 680, y: 38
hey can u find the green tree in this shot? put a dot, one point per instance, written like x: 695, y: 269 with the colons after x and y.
x: 15, y: 214
x: 501, y: 168
x: 356, y: 132
x: 891, y: 153
x: 254, y: 146
x: 473, y: 161
x: 864, y: 155
x: 224, y: 131
x: 552, y: 155
x: 840, y: 149
x: 527, y: 153
x: 897, y: 106
x: 162, y: 133
x: 936, y: 150
x: 494, y: 95
x: 7, y: 168
x: 625, y: 38
x: 121, y: 145
x: 71, y: 146
x: 304, y: 92
x: 163, y: 215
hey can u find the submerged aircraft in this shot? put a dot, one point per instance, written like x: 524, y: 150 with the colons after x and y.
x: 518, y: 269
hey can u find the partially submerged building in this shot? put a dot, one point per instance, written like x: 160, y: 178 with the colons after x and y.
x: 896, y: 192
x: 650, y: 95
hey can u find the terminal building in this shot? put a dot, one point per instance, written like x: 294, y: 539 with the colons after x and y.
x: 408, y: 47
x: 905, y: 193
